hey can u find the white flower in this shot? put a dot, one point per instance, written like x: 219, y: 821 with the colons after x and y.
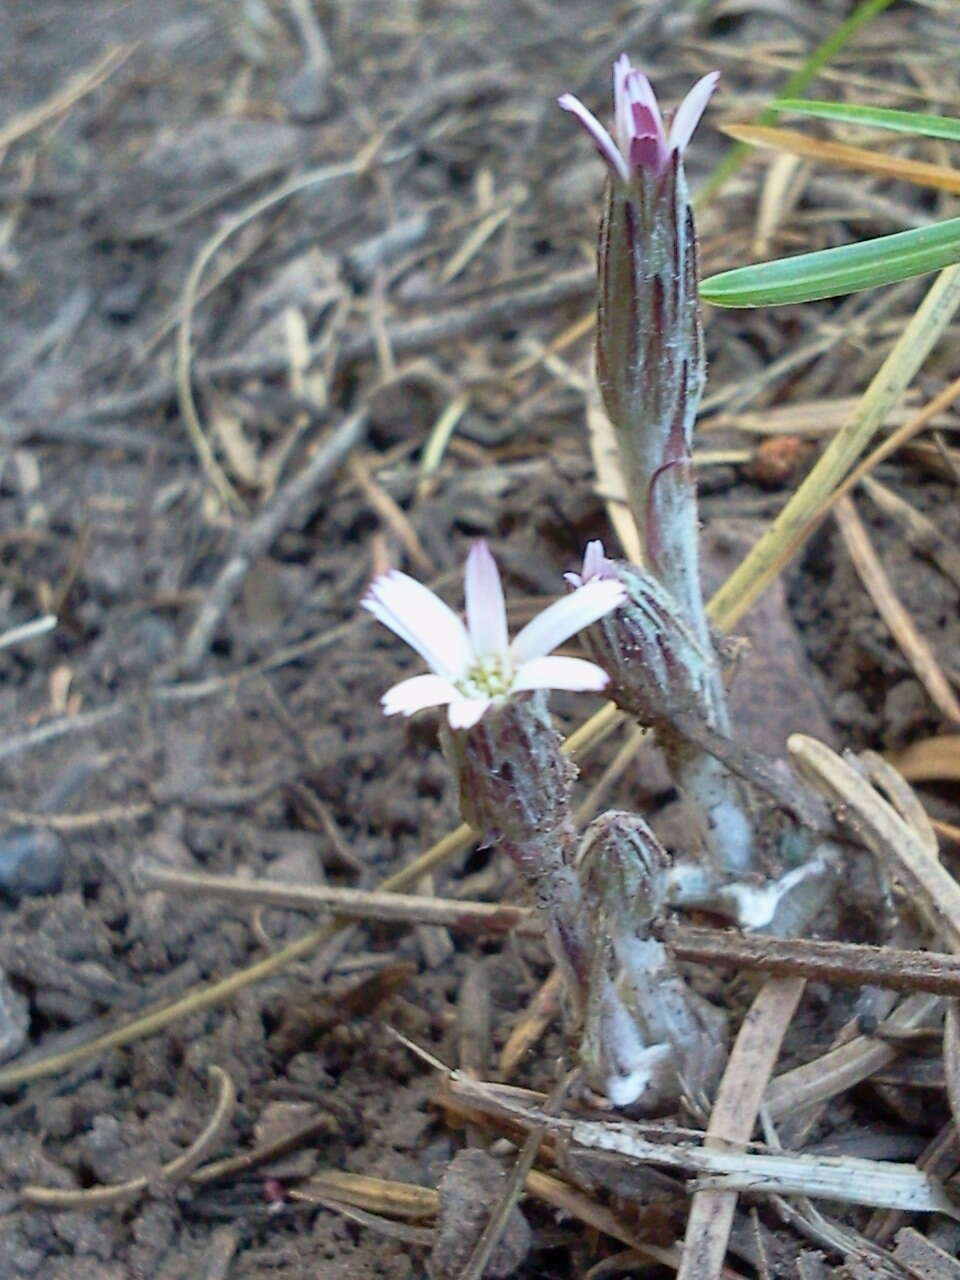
x: 476, y: 666
x: 640, y: 140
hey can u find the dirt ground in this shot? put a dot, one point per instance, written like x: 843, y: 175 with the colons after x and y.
x: 231, y: 725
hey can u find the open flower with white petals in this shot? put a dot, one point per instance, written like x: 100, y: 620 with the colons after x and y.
x: 476, y: 666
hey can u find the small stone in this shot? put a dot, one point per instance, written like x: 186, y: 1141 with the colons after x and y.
x: 470, y: 1190
x: 14, y: 1020
x: 307, y: 94
x: 32, y: 861
x: 906, y: 710
x: 778, y: 461
x: 122, y: 301
x: 279, y: 1120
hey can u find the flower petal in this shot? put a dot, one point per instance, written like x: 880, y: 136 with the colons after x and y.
x: 595, y: 565
x: 690, y: 110
x: 418, y: 692
x: 622, y: 115
x: 648, y: 141
x: 416, y: 615
x: 560, y: 673
x: 601, y: 139
x: 563, y: 618
x: 465, y: 713
x: 486, y: 610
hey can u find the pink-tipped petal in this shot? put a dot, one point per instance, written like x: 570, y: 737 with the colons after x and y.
x: 417, y: 693
x: 689, y: 112
x: 416, y: 615
x: 647, y: 150
x: 622, y: 115
x: 560, y: 673
x: 466, y: 712
x: 643, y: 102
x: 486, y: 609
x: 562, y: 619
x: 648, y: 141
x: 601, y: 138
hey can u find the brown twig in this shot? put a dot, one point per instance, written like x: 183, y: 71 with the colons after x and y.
x: 841, y: 963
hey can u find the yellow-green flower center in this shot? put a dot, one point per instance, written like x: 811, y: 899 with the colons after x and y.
x: 490, y: 677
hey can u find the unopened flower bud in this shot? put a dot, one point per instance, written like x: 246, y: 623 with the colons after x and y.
x: 650, y: 357
x: 650, y: 1032
x: 658, y: 670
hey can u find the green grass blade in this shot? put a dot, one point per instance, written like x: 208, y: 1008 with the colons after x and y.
x: 811, y: 68
x: 880, y: 117
x: 831, y: 272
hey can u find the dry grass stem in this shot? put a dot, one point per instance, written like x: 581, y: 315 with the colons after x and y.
x: 28, y: 631
x: 792, y: 527
x: 355, y: 904
x: 900, y: 849
x: 260, y: 534
x: 897, y: 439
x: 874, y: 578
x: 845, y: 1179
x: 847, y: 1065
x: 169, y: 1175
x: 935, y: 176
x: 377, y: 1195
x: 920, y: 531
x: 752, y: 1059
x: 533, y: 1022
x: 77, y: 87
x: 568, y: 1200
x: 931, y: 759
x: 184, y: 354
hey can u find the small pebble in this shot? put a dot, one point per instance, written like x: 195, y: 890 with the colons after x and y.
x: 307, y: 95
x: 122, y: 301
x: 14, y: 1020
x: 470, y: 1190
x: 32, y: 861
